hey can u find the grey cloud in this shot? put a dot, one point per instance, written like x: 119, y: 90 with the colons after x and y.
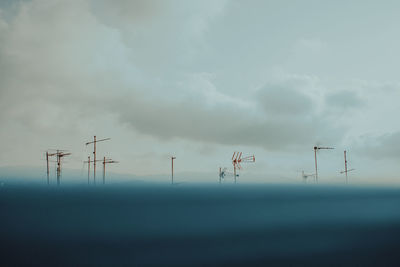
x: 218, y: 125
x: 385, y: 146
x: 117, y: 13
x: 64, y: 82
x: 287, y: 120
x: 344, y: 99
x: 278, y: 100
x: 65, y: 65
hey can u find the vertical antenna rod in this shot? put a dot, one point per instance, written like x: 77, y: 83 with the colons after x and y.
x: 315, y: 156
x: 106, y: 161
x: 345, y: 165
x: 346, y: 170
x: 47, y: 160
x: 172, y: 169
x: 58, y: 167
x: 88, y: 162
x: 88, y: 170
x: 60, y: 155
x: 316, y: 168
x: 94, y: 154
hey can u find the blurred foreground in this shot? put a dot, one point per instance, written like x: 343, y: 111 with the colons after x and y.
x: 200, y: 225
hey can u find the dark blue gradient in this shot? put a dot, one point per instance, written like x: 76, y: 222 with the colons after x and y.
x: 200, y: 225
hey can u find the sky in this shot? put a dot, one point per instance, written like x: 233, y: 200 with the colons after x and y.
x: 201, y: 79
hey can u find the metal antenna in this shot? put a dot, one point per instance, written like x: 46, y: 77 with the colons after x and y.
x: 237, y: 159
x: 94, y: 153
x: 305, y: 176
x: 60, y: 155
x: 223, y: 172
x: 88, y: 170
x: 106, y: 161
x: 172, y: 169
x: 315, y: 156
x: 47, y: 161
x: 345, y: 167
x: 88, y: 162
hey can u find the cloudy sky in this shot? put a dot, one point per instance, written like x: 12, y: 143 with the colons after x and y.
x: 201, y: 79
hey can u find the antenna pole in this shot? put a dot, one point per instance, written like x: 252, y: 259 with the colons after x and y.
x: 104, y: 170
x: 47, y: 160
x: 172, y: 169
x: 234, y: 171
x: 88, y: 171
x: 316, y: 168
x: 345, y: 165
x: 58, y: 167
x: 94, y: 162
x: 220, y: 174
x: 94, y: 154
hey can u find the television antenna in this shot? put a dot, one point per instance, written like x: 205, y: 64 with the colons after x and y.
x: 305, y: 176
x: 237, y: 159
x: 94, y: 142
x: 345, y: 167
x: 59, y: 154
x: 172, y: 169
x: 106, y: 161
x: 317, y: 148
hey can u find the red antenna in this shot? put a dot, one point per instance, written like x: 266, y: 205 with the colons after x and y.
x: 315, y: 156
x: 94, y: 153
x: 237, y: 159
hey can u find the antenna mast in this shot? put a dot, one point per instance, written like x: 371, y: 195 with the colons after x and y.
x: 106, y: 161
x: 345, y: 166
x: 94, y: 154
x: 88, y: 170
x: 172, y: 169
x: 315, y: 157
x: 47, y: 161
x: 237, y: 159
x: 88, y: 162
x: 60, y: 155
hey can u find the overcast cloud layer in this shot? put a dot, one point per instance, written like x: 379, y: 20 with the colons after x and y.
x: 201, y: 79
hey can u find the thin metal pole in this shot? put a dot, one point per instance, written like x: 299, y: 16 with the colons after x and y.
x: 58, y: 167
x: 172, y: 169
x: 47, y: 160
x: 316, y: 168
x: 94, y: 161
x: 104, y: 170
x: 219, y: 174
x: 345, y: 165
x: 88, y: 171
x: 234, y: 171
